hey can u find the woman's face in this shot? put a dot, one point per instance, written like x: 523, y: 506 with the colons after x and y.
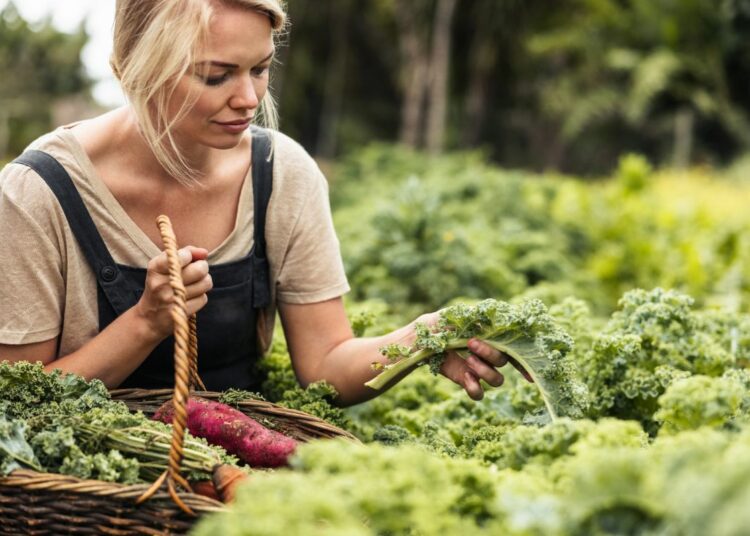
x: 229, y: 79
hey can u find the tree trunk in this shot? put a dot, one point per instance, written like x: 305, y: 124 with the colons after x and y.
x: 334, y: 86
x: 683, y: 138
x: 414, y: 72
x: 482, y: 63
x: 4, y: 133
x: 439, y: 70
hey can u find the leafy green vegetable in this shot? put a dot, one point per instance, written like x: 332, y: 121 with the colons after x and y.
x: 281, y: 387
x: 698, y: 401
x: 15, y: 452
x: 524, y: 331
x: 338, y: 487
x: 63, y: 424
x: 655, y: 339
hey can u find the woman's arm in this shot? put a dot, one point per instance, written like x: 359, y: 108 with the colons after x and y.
x: 322, y: 347
x: 121, y: 347
x: 111, y: 356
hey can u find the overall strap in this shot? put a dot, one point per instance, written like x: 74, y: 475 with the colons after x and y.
x: 108, y: 276
x: 262, y: 186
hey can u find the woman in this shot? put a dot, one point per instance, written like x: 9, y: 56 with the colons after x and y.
x: 91, y: 295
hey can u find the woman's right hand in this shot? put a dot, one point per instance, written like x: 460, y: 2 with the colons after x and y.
x: 155, y: 304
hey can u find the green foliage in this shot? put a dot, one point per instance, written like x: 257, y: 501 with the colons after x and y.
x: 63, y: 424
x: 542, y: 237
x: 15, y: 452
x: 281, y: 387
x: 524, y: 332
x: 511, y: 446
x: 698, y: 401
x: 575, y: 478
x: 654, y: 339
x: 634, y: 68
x: 41, y: 65
x: 341, y: 488
x: 633, y: 172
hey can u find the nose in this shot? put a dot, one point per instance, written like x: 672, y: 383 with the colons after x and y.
x: 245, y: 94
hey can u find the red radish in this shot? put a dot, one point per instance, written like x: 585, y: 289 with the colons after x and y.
x: 239, y: 434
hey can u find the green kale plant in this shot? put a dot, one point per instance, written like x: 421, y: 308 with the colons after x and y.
x: 523, y: 331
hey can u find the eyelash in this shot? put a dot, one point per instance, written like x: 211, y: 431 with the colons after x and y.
x: 218, y: 80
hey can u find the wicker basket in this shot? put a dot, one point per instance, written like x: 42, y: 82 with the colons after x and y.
x: 49, y: 504
x: 33, y: 503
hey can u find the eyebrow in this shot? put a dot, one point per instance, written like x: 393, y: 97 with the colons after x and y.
x: 226, y: 65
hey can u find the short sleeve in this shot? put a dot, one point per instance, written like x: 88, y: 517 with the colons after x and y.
x: 312, y: 270
x: 32, y: 285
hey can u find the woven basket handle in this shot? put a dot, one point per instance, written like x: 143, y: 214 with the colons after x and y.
x: 185, y: 368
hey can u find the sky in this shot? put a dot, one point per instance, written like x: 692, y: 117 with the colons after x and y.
x: 66, y: 16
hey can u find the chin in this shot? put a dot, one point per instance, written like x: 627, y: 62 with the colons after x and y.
x: 224, y: 142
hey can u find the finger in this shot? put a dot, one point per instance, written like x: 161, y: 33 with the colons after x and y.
x: 194, y: 272
x: 488, y: 353
x: 160, y: 263
x: 484, y: 371
x: 198, y: 254
x: 199, y: 287
x: 472, y: 387
x: 196, y: 304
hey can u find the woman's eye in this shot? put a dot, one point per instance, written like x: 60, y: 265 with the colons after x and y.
x: 215, y: 80
x: 259, y: 71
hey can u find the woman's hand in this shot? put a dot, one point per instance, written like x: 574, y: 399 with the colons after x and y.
x: 155, y: 304
x: 481, y: 364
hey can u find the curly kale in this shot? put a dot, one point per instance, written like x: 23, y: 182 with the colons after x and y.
x: 281, y: 387
x: 15, y: 451
x: 523, y: 331
x: 340, y: 487
x: 26, y: 390
x: 63, y: 424
x: 697, y: 401
x: 655, y: 339
x: 512, y: 446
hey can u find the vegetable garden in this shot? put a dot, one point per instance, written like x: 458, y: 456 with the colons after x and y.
x: 626, y: 299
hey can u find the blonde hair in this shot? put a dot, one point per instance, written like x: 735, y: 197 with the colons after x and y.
x: 156, y: 42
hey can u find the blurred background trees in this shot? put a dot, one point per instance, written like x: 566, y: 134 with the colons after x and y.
x: 42, y: 74
x: 567, y: 85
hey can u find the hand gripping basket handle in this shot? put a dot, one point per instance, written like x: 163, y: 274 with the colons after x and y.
x: 185, y: 369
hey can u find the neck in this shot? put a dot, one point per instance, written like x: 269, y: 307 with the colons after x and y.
x: 198, y: 157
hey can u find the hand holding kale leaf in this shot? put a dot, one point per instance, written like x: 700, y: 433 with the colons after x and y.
x: 525, y: 332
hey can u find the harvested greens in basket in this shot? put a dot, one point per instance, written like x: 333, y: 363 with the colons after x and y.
x: 60, y: 423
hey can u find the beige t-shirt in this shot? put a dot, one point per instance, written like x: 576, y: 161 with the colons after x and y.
x: 47, y: 288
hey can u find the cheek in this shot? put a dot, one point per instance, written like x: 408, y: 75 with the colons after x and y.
x: 261, y: 87
x: 207, y: 105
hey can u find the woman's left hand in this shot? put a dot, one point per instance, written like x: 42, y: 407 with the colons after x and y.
x: 481, y: 364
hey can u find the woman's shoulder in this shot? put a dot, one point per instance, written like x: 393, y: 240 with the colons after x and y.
x: 290, y: 156
x: 20, y: 183
x: 28, y: 208
x: 296, y: 173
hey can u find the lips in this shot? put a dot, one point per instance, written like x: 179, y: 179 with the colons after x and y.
x: 235, y: 123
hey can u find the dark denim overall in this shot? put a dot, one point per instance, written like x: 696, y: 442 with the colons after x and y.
x: 227, y: 334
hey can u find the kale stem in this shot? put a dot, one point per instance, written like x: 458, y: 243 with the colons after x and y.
x: 392, y: 371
